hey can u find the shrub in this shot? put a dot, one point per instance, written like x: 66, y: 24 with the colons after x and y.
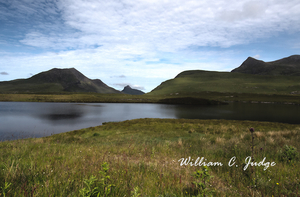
x: 202, y: 180
x: 288, y: 154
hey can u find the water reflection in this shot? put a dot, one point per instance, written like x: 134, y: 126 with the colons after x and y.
x: 55, y: 117
x: 242, y: 111
x: 60, y: 113
x: 21, y: 119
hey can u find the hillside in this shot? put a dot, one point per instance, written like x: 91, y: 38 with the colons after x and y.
x: 56, y: 81
x: 196, y: 81
x: 286, y: 66
x: 128, y: 90
x: 252, y: 77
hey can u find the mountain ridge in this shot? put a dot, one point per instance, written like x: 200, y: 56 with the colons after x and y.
x: 285, y: 66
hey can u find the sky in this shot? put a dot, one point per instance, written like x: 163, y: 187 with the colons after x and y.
x: 142, y: 43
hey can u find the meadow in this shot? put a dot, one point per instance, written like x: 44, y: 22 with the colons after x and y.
x: 143, y: 157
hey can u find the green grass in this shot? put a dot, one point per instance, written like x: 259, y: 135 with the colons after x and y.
x: 142, y: 160
x: 28, y: 85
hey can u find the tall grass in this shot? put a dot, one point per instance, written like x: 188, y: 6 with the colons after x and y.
x: 142, y: 160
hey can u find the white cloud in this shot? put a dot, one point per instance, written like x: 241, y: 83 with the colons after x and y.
x: 169, y: 25
x: 119, y: 76
x: 256, y: 56
x: 243, y: 11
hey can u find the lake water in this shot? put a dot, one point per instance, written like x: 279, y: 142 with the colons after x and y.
x: 28, y: 119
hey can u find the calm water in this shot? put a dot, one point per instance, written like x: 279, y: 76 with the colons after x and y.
x: 28, y: 119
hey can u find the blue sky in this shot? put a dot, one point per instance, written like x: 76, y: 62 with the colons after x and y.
x: 143, y: 42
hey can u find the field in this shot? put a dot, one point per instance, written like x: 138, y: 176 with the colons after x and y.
x: 141, y: 158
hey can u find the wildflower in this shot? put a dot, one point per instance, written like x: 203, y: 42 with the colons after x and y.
x: 277, y: 183
x: 251, y: 130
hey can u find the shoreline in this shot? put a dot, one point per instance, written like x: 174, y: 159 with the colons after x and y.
x: 201, y: 98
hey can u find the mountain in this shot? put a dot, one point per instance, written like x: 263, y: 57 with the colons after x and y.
x: 129, y: 90
x: 286, y: 66
x: 56, y: 81
x: 253, y: 77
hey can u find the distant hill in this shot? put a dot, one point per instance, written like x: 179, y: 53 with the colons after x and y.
x: 253, y: 76
x: 56, y: 81
x: 128, y: 90
x: 286, y: 66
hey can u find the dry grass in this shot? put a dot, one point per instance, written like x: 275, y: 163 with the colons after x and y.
x: 270, y: 140
x: 179, y: 142
x: 259, y: 135
x: 220, y: 140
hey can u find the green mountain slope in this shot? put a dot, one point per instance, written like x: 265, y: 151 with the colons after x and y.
x: 196, y: 81
x: 56, y: 81
x: 252, y: 77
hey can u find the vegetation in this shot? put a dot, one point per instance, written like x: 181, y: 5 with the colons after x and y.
x: 106, y: 98
x: 141, y: 158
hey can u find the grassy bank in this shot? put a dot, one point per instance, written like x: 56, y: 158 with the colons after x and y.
x: 241, y: 97
x: 180, y: 98
x: 140, y: 158
x: 108, y: 98
x: 78, y: 98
